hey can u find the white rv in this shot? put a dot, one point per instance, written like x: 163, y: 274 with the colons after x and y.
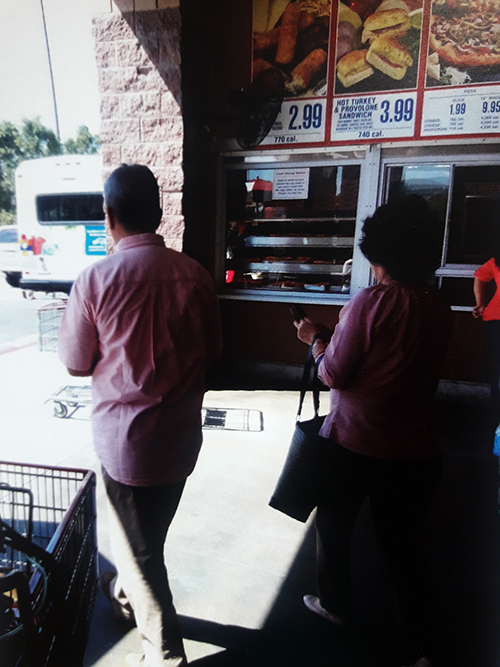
x: 60, y: 219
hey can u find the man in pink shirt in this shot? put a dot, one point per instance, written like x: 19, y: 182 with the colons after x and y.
x: 144, y: 323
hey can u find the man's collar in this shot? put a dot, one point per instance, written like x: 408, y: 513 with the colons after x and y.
x: 135, y: 240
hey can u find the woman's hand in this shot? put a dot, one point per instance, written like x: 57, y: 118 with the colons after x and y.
x: 306, y: 330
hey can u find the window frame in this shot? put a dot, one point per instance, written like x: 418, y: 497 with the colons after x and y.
x: 453, y: 159
x: 70, y: 222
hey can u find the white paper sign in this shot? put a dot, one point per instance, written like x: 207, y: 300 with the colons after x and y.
x: 471, y: 110
x: 380, y: 116
x: 299, y: 122
x: 291, y: 183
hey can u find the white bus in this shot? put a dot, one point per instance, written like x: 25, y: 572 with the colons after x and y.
x: 60, y: 219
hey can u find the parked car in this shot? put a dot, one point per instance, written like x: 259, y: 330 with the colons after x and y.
x: 10, y: 254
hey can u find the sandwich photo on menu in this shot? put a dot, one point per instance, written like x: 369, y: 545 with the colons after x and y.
x: 464, y: 42
x: 378, y: 45
x: 292, y: 37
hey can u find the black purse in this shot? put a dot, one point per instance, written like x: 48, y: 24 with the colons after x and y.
x: 305, y: 469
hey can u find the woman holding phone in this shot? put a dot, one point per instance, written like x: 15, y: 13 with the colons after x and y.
x: 382, y: 366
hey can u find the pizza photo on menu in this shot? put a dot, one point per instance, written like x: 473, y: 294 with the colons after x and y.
x: 292, y: 37
x: 464, y: 42
x: 378, y: 45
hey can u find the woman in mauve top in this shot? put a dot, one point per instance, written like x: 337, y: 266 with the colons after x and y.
x: 382, y: 366
x: 491, y: 315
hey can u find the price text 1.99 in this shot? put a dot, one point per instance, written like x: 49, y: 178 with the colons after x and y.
x: 458, y: 109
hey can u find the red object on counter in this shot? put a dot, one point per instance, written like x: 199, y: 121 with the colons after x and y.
x: 262, y: 190
x: 261, y: 184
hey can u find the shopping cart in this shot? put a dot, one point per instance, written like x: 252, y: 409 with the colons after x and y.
x: 232, y: 419
x: 70, y: 398
x: 49, y: 319
x: 48, y: 558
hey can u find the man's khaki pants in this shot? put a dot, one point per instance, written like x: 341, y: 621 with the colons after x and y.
x: 139, y: 518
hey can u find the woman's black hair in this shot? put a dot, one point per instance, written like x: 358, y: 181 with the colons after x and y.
x: 403, y: 237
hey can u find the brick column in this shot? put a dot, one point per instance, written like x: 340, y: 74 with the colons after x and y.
x: 138, y: 60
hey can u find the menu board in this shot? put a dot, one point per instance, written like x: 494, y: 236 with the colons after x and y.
x: 294, y: 39
x: 387, y: 116
x: 380, y: 70
x: 467, y: 111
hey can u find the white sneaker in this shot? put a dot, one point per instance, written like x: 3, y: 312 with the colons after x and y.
x: 313, y: 604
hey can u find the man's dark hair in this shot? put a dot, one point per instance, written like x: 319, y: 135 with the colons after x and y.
x: 133, y: 194
x: 403, y: 237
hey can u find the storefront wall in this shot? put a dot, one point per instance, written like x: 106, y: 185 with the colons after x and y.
x: 258, y: 283
x: 137, y: 46
x: 141, y: 57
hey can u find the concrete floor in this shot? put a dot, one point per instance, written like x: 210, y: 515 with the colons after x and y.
x: 239, y: 569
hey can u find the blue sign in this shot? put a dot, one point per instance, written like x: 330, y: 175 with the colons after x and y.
x: 95, y: 240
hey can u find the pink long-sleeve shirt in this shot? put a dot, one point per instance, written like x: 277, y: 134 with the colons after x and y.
x: 147, y: 317
x: 382, y: 365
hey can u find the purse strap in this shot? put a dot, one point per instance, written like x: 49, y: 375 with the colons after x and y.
x: 304, y: 385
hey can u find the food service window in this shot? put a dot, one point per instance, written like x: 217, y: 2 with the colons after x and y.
x: 291, y: 229
x: 466, y: 199
x: 475, y: 214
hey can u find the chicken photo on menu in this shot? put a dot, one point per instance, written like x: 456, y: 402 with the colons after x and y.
x: 464, y: 42
x: 291, y: 36
x: 378, y: 45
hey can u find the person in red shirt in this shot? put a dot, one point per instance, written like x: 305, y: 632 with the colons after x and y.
x: 490, y: 312
x: 382, y: 366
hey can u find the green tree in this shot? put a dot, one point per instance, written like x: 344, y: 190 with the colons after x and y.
x: 29, y: 141
x: 10, y: 142
x: 85, y: 143
x: 38, y: 140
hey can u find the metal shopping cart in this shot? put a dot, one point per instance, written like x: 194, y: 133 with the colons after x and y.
x: 49, y: 320
x: 70, y: 398
x: 48, y: 564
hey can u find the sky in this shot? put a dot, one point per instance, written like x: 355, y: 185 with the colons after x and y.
x: 25, y: 87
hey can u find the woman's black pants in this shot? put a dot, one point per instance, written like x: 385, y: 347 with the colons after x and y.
x: 400, y: 494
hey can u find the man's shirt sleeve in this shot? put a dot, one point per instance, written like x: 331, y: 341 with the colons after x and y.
x: 78, y: 339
